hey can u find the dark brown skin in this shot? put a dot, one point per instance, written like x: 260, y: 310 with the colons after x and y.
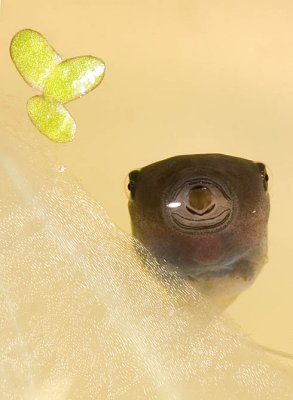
x: 206, y: 215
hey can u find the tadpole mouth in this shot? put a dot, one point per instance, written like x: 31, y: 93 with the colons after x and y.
x: 200, y: 204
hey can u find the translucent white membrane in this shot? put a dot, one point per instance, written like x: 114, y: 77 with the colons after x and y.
x: 81, y: 318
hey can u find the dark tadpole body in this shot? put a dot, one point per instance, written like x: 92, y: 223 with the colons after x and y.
x: 206, y: 215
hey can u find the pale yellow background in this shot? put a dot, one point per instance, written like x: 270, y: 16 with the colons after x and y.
x: 181, y: 77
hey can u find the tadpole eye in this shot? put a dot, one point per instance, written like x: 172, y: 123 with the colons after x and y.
x: 133, y: 175
x: 200, y: 198
x: 264, y: 175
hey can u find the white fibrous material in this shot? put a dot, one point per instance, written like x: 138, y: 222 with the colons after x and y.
x: 81, y: 318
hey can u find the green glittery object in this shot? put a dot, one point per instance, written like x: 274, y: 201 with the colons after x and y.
x: 73, y: 78
x: 60, y: 81
x: 52, y: 119
x: 33, y: 57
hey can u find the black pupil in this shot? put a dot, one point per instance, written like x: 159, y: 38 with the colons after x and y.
x: 200, y: 198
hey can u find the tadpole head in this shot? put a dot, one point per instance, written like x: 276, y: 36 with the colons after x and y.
x: 205, y: 214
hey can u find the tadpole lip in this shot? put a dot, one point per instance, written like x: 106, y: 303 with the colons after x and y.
x: 195, y: 224
x: 192, y: 211
x: 203, y: 180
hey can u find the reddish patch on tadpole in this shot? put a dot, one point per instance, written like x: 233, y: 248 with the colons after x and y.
x: 208, y: 251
